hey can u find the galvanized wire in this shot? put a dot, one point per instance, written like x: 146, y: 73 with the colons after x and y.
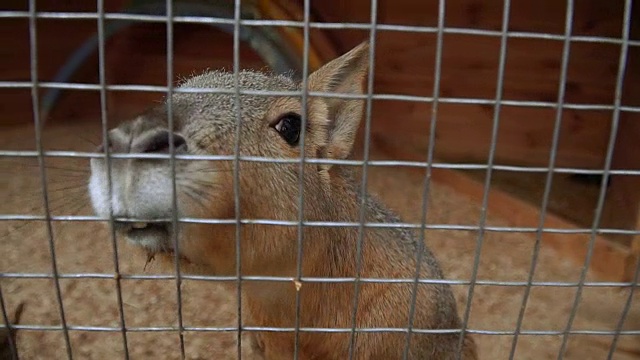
x: 487, y: 186
x: 337, y: 95
x: 236, y: 169
x: 172, y: 164
x: 402, y: 330
x: 549, y: 179
x: 303, y: 127
x: 33, y: 47
x: 337, y: 280
x: 311, y: 160
x: 363, y: 185
x: 107, y: 153
x: 399, y: 225
x: 622, y: 65
x: 429, y: 166
x: 316, y: 25
x: 427, y: 178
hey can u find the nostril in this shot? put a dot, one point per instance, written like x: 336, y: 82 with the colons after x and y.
x: 179, y: 142
x: 160, y: 143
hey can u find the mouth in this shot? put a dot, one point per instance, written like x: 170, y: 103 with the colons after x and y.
x: 154, y: 236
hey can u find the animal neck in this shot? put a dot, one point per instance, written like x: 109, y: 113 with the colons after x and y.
x: 327, y: 251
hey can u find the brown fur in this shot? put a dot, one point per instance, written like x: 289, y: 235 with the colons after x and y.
x: 270, y: 191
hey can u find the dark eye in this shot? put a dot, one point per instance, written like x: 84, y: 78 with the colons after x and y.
x: 288, y: 126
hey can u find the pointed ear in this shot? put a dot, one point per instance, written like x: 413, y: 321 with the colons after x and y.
x: 345, y: 74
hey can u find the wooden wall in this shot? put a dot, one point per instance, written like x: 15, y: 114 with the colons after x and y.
x: 405, y: 64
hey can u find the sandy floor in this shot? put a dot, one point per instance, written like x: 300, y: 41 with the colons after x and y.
x: 86, y: 247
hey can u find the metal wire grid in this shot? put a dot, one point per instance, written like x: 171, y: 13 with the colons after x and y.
x: 107, y: 153
x: 427, y: 177
x: 429, y: 164
x: 626, y: 28
x: 487, y: 185
x: 303, y: 124
x: 549, y: 178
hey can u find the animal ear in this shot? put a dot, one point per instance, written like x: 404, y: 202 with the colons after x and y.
x: 345, y: 74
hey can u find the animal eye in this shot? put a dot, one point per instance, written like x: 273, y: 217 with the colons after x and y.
x: 288, y: 126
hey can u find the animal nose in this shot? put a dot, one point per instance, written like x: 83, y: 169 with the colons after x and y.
x: 116, y: 143
x: 159, y: 143
x: 150, y: 142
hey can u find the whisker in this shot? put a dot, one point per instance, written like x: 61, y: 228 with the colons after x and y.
x: 200, y: 192
x: 61, y: 192
x: 56, y: 230
x: 208, y: 185
x: 76, y: 210
x: 33, y: 163
x: 63, y: 183
x: 52, y: 177
x: 202, y: 189
x: 60, y: 186
x: 76, y: 170
x: 88, y: 140
x: 18, y: 228
x: 77, y: 186
x: 67, y: 178
x: 207, y: 170
x: 63, y: 207
x: 54, y: 204
x: 184, y: 177
x: 15, y: 232
x: 199, y: 180
x: 194, y: 195
x: 73, y: 210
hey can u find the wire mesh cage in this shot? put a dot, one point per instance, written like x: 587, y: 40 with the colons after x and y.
x: 528, y: 282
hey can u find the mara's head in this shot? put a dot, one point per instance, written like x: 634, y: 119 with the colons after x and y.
x: 205, y: 123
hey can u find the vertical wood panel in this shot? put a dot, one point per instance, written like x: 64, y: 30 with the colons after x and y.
x: 404, y: 65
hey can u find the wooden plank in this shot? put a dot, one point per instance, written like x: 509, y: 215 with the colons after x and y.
x: 463, y: 133
x: 404, y: 65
